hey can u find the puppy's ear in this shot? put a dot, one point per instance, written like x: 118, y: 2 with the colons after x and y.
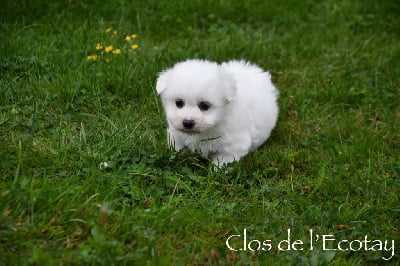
x: 162, y: 81
x: 229, y: 84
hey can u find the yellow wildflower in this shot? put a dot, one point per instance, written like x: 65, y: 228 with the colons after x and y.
x: 91, y: 57
x: 108, y: 30
x: 131, y: 37
x: 134, y: 46
x: 99, y: 46
x: 116, y: 51
x: 108, y: 48
x: 108, y: 60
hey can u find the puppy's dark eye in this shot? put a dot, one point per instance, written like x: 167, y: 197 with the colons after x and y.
x: 179, y: 103
x: 204, y: 106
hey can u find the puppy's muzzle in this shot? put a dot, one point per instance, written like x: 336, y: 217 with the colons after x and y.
x: 188, y: 124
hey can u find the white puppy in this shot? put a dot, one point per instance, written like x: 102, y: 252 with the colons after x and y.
x: 222, y: 111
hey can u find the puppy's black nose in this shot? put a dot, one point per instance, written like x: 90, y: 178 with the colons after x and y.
x: 188, y: 124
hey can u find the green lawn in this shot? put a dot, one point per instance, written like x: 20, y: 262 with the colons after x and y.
x: 86, y: 176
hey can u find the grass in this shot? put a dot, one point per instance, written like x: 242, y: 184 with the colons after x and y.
x: 331, y: 165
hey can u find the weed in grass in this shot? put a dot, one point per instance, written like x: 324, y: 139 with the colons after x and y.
x: 105, y: 49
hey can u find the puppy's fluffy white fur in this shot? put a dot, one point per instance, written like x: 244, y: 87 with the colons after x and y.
x: 222, y: 111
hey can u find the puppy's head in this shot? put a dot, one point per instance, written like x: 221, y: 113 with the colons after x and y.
x: 194, y: 95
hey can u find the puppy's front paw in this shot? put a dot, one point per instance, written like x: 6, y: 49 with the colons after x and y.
x: 222, y: 159
x: 174, y: 142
